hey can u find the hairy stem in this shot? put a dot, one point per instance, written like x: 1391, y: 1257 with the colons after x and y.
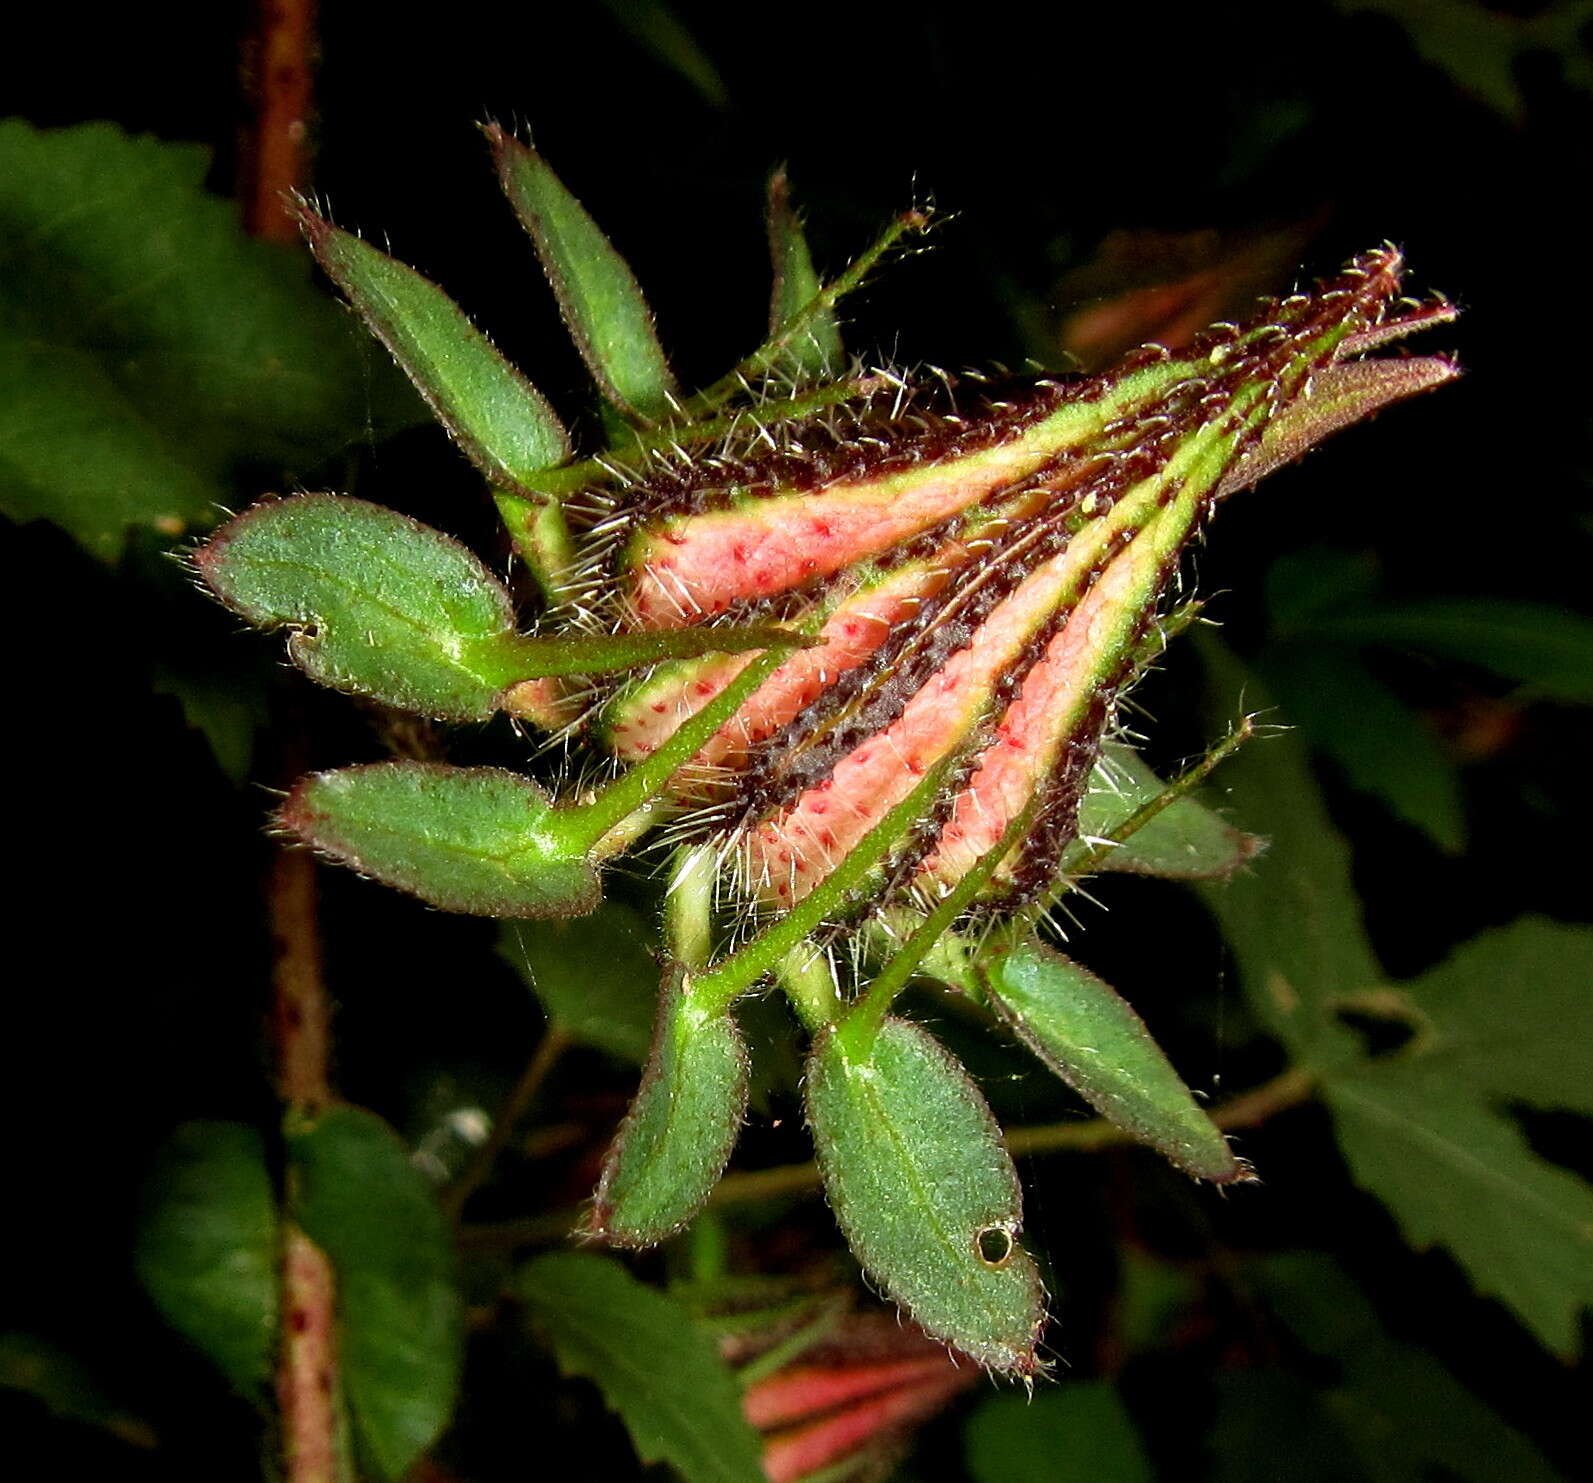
x: 279, y: 69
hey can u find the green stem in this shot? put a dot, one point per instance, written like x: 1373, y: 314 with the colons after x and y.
x: 769, y: 353
x: 1083, y: 857
x: 689, y: 906
x: 827, y: 900
x: 585, y: 824
x: 808, y: 978
x: 868, y: 1014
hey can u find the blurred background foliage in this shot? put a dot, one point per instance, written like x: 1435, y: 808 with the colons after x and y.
x: 1414, y: 599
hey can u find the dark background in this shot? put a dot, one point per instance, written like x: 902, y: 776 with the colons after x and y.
x: 1039, y: 130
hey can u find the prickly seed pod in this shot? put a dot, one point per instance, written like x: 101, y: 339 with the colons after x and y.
x: 980, y: 563
x: 858, y: 641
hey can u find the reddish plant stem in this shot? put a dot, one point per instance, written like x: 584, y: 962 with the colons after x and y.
x: 279, y: 76
x: 279, y: 71
x: 307, y: 1363
x: 306, y: 1382
x: 300, y: 1014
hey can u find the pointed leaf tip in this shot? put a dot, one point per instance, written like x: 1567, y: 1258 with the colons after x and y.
x: 915, y: 1170
x: 501, y: 421
x: 680, y: 1130
x: 817, y: 351
x: 1091, y: 1038
x: 480, y: 840
x: 602, y: 303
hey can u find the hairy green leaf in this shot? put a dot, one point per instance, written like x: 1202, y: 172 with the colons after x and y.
x: 480, y: 840
x: 1185, y: 841
x: 818, y: 351
x: 149, y: 349
x: 207, y: 1248
x: 927, y: 1196
x: 1087, y: 1033
x: 1078, y: 1433
x: 377, y: 603
x: 400, y: 1329
x: 598, y: 295
x: 383, y: 606
x: 500, y: 420
x: 595, y: 976
x: 655, y: 1367
x: 677, y: 1137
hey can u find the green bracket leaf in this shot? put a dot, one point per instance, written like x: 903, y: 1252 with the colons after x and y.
x: 384, y: 606
x: 400, y: 1319
x: 1185, y: 841
x: 816, y: 351
x: 914, y: 1168
x: 481, y: 840
x: 207, y: 1248
x: 502, y: 422
x: 655, y: 1366
x: 677, y: 1138
x: 1090, y: 1037
x: 598, y: 295
x: 378, y: 603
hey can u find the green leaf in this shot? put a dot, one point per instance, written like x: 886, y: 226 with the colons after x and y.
x: 678, y: 1135
x: 595, y: 976
x: 1185, y: 841
x: 817, y: 352
x: 655, y: 1366
x: 1508, y: 1020
x: 400, y: 1330
x: 377, y: 603
x: 1078, y: 1433
x: 1294, y: 923
x: 598, y: 295
x: 926, y: 1194
x: 1385, y: 749
x: 480, y: 840
x: 149, y: 349
x: 383, y: 606
x: 1546, y: 649
x: 1090, y: 1037
x: 207, y: 1248
x: 502, y: 422
x: 1424, y: 1130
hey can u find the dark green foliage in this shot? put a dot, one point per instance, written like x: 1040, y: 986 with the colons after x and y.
x: 207, y: 1248
x: 148, y: 350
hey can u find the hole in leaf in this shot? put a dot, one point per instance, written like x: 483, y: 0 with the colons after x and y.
x: 994, y: 1244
